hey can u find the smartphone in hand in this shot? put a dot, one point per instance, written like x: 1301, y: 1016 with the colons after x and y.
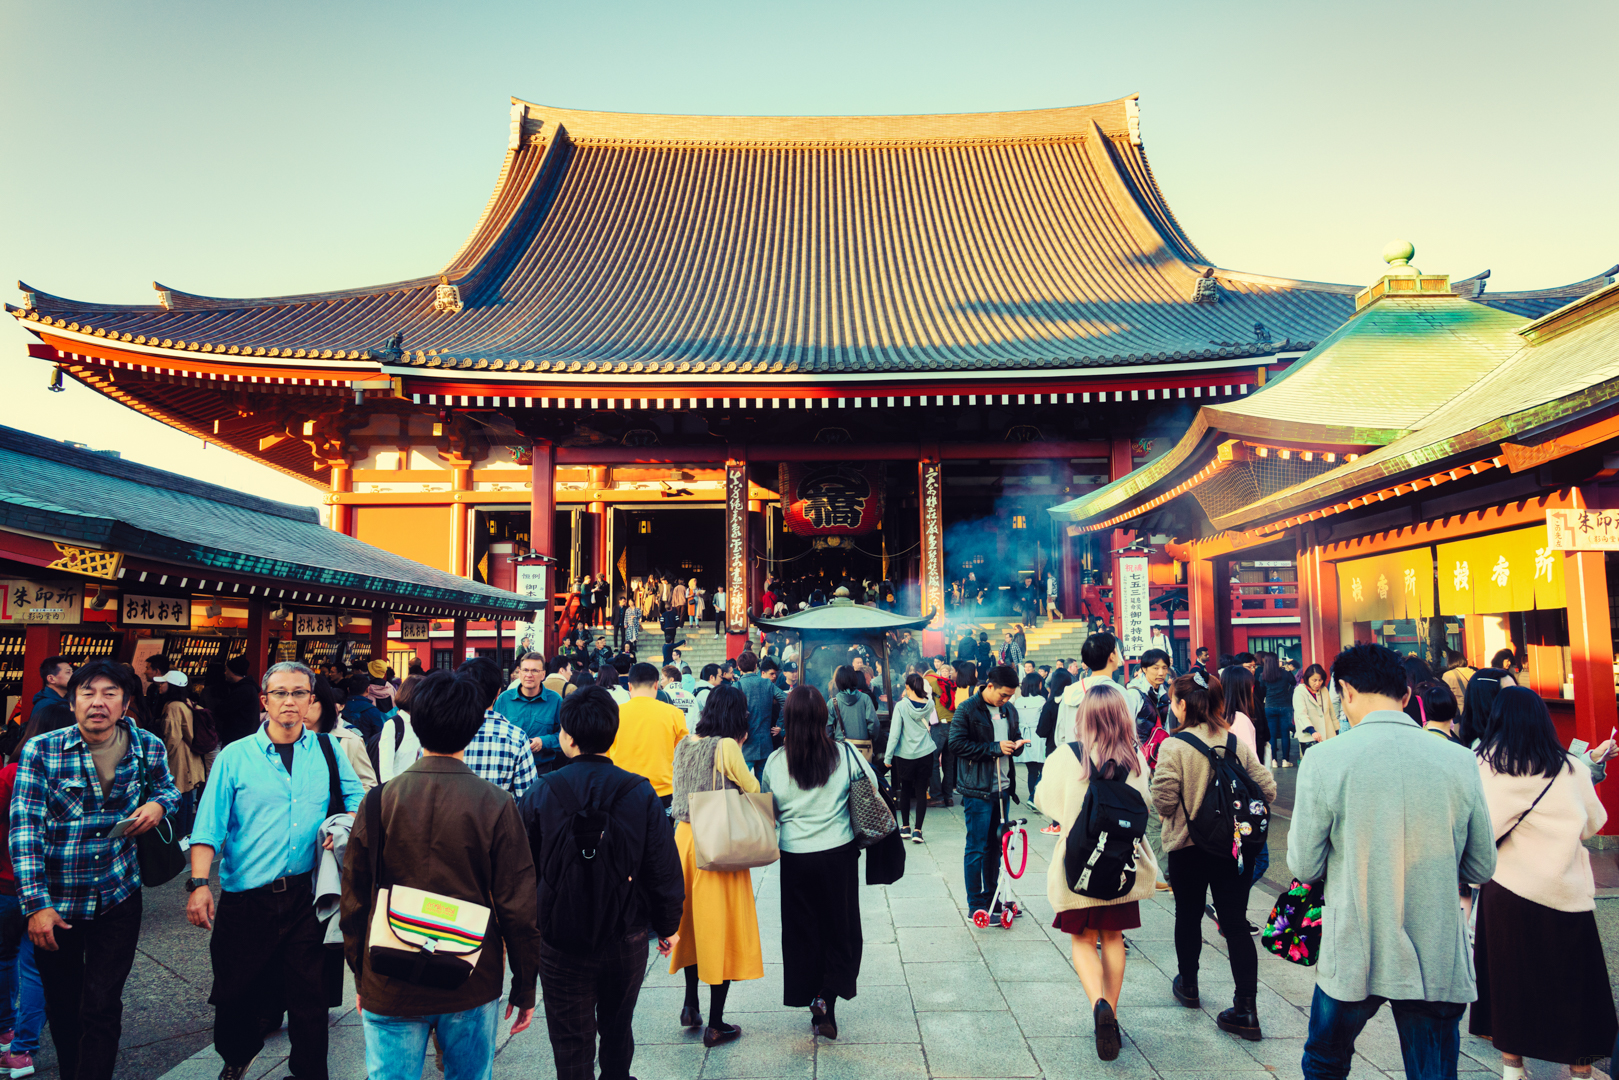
x: 121, y: 828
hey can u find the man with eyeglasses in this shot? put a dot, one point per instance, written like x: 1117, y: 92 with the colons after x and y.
x: 82, y: 795
x: 263, y: 811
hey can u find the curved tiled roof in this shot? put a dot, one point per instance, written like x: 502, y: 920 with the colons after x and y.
x: 631, y: 244
x: 64, y: 493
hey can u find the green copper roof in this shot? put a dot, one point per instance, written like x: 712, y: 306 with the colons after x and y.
x: 1375, y: 379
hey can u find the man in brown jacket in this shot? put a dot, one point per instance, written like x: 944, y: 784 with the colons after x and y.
x: 444, y: 831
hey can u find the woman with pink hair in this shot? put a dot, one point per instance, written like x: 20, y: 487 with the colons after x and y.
x: 1104, y: 748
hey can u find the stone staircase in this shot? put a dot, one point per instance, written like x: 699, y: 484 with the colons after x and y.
x: 703, y: 646
x: 1051, y: 640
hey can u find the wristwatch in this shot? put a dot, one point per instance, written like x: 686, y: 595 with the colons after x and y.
x: 194, y: 883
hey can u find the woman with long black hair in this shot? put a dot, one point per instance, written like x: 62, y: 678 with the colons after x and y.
x: 1543, y: 988
x: 810, y: 776
x: 1477, y: 701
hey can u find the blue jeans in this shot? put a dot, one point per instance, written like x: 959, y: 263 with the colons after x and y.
x: 981, y: 861
x: 30, y: 1002
x: 1430, y: 1036
x: 395, y: 1046
x: 11, y: 936
x: 1280, y: 722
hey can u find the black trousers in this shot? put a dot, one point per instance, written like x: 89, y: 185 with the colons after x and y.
x: 821, y: 942
x: 1195, y: 872
x: 587, y: 996
x: 266, y: 951
x: 83, y: 983
x: 911, y: 776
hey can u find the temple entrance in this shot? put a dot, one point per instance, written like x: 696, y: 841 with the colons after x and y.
x: 680, y: 543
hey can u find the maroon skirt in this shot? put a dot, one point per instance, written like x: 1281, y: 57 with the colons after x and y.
x: 1126, y: 916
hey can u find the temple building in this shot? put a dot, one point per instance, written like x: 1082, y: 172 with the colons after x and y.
x: 718, y: 348
x: 1436, y: 475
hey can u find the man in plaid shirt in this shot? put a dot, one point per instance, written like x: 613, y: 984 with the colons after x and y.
x: 79, y: 885
x: 499, y: 752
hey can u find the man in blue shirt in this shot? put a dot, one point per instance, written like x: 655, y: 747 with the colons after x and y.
x: 764, y: 707
x: 533, y: 707
x: 82, y: 794
x: 262, y: 810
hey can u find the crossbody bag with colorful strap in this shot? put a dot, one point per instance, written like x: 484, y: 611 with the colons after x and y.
x: 420, y: 937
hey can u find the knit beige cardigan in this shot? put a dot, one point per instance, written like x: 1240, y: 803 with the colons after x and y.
x: 1060, y: 796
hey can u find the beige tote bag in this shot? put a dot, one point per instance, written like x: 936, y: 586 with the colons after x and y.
x: 732, y: 829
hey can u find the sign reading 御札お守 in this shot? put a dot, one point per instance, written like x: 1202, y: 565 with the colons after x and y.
x: 1582, y: 530
x: 1134, y: 595
x: 314, y: 625
x: 154, y: 611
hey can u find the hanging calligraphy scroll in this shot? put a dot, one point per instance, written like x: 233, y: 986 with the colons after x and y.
x: 931, y: 485
x: 831, y: 498
x: 737, y: 600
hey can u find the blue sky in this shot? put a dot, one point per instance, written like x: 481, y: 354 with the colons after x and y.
x: 238, y: 149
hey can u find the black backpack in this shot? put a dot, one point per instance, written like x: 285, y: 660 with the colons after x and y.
x: 589, y: 872
x: 1154, y: 712
x: 1232, y: 821
x: 1099, y: 859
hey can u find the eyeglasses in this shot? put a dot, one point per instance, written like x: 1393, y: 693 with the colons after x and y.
x: 299, y: 696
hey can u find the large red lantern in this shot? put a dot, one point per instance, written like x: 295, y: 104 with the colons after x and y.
x: 831, y: 498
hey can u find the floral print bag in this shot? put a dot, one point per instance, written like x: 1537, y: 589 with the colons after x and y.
x: 1294, y: 929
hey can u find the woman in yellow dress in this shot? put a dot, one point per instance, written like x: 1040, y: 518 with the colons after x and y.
x: 719, y: 929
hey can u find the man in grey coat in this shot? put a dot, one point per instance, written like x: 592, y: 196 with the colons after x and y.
x: 1392, y: 818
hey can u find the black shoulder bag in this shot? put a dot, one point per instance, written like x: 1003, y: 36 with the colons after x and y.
x: 157, y: 850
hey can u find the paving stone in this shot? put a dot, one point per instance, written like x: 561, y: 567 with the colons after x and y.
x: 878, y: 1014
x: 880, y: 965
x: 773, y: 1044
x: 866, y: 1061
x: 1077, y: 1057
x: 1175, y: 1039
x: 953, y: 987
x: 1012, y: 960
x: 924, y: 911
x: 975, y: 1044
x: 916, y: 883
x: 927, y: 944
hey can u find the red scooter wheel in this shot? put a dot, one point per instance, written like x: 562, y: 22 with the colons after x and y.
x: 981, y: 919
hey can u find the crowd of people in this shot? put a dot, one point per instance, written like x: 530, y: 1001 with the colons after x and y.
x: 454, y: 833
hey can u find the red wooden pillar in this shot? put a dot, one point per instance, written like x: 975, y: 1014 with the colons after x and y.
x: 342, y: 515
x: 738, y: 596
x: 380, y: 621
x: 458, y: 643
x: 1585, y: 585
x: 1203, y: 627
x: 258, y: 639
x: 542, y: 538
x: 1318, y: 606
x: 38, y: 643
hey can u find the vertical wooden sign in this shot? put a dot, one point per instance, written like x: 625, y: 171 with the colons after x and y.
x: 737, y: 601
x: 930, y: 483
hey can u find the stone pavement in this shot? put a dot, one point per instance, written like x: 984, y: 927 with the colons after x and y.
x: 940, y: 998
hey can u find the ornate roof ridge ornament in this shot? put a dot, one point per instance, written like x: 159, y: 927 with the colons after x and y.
x: 1206, y: 290
x: 447, y: 297
x: 1403, y: 279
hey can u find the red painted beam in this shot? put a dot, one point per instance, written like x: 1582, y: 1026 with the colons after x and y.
x: 705, y: 455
